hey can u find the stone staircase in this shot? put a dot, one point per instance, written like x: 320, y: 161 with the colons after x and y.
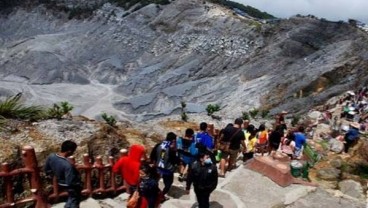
x: 241, y: 188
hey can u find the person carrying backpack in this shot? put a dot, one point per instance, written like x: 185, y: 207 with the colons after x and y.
x: 148, y: 187
x: 164, y: 157
x: 187, y: 152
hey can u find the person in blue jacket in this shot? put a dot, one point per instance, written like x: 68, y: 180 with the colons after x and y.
x: 203, y: 139
x: 351, y: 136
x: 187, y: 151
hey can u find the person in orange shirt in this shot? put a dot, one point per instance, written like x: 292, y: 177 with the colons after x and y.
x: 262, y: 139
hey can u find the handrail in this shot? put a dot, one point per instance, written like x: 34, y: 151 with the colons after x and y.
x: 107, y: 183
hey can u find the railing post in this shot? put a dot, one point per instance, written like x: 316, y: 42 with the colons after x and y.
x: 87, y: 170
x: 8, y: 184
x: 101, y: 175
x: 30, y: 162
x: 112, y: 174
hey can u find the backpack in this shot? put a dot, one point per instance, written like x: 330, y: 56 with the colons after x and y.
x: 163, y: 156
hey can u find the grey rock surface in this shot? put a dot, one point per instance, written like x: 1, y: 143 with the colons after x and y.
x: 351, y: 188
x: 336, y: 145
x: 329, y: 174
x: 322, y: 199
x: 336, y: 163
x: 140, y: 65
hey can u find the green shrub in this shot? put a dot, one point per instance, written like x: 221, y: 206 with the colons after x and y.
x: 245, y: 115
x: 13, y: 108
x: 212, y: 108
x: 183, y: 105
x: 295, y: 120
x: 184, y: 116
x: 110, y: 120
x: 254, y: 112
x: 264, y: 113
x: 58, y: 111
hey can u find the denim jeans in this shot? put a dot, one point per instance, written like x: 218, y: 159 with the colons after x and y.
x: 74, y: 197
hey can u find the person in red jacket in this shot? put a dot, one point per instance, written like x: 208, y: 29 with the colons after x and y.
x: 128, y: 167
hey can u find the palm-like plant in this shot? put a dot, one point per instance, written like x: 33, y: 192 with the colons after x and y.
x: 13, y: 108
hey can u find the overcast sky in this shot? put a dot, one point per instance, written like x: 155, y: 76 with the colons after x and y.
x: 329, y: 9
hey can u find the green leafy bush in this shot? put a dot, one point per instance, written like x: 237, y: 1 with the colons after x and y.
x: 245, y: 115
x: 110, y: 120
x: 295, y: 120
x: 13, y: 108
x: 212, y: 108
x: 264, y: 113
x: 254, y: 112
x: 58, y: 111
x: 184, y: 116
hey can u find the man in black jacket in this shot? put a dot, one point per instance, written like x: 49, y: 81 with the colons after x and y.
x: 204, y: 176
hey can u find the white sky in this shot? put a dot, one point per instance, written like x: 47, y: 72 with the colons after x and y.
x: 329, y: 9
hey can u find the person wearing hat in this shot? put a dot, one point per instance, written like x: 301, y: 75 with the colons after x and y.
x: 351, y: 136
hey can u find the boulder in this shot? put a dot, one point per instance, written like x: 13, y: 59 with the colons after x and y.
x: 351, y: 188
x: 314, y: 115
x: 329, y: 174
x: 336, y: 145
x: 322, y: 130
x: 336, y: 163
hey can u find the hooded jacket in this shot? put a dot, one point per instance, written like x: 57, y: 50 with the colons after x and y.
x: 129, y: 165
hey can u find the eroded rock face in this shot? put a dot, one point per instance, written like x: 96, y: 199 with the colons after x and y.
x: 141, y: 64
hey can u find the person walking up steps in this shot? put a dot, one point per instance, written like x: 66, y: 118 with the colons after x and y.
x: 203, y: 174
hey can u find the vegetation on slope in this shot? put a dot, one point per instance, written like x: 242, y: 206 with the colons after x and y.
x: 251, y: 11
x: 13, y: 108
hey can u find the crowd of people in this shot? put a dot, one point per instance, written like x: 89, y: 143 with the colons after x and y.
x: 195, y: 155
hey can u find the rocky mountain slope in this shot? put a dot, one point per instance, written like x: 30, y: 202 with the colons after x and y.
x: 139, y: 64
